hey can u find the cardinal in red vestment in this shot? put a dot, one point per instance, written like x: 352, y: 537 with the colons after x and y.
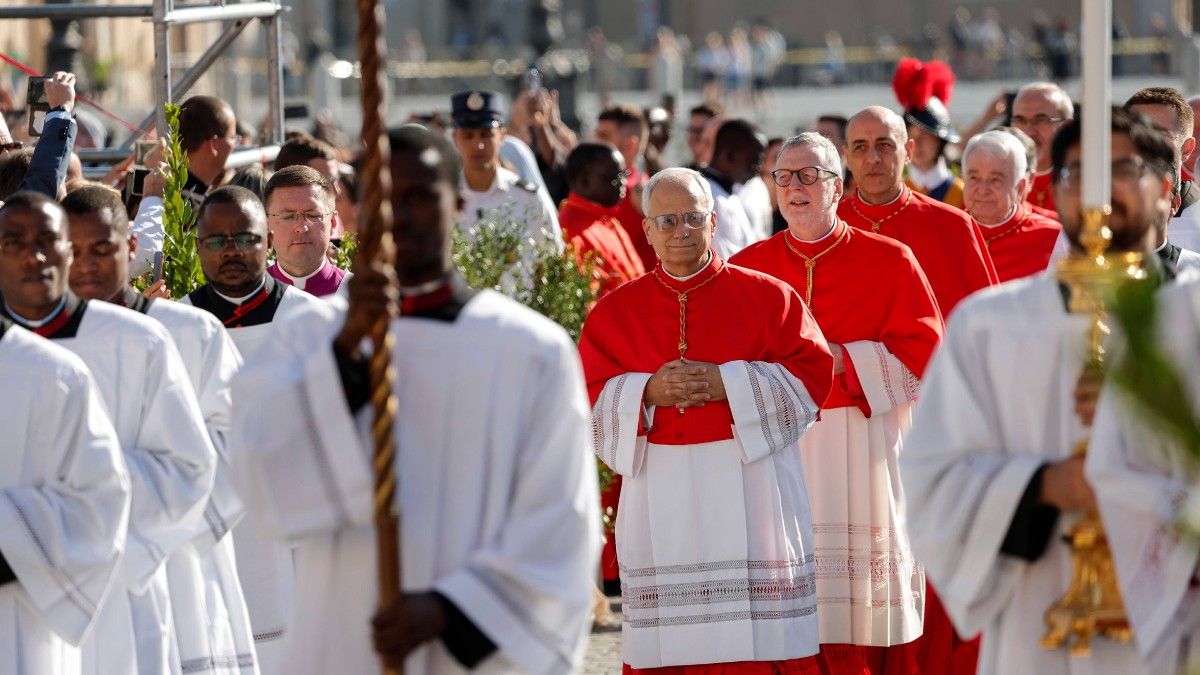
x: 703, y: 377
x: 948, y: 246
x: 878, y: 313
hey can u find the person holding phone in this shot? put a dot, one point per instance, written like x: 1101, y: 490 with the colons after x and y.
x: 52, y: 155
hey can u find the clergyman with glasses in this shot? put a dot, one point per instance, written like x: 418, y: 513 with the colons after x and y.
x: 871, y: 595
x: 301, y: 217
x: 233, y: 239
x: 1039, y: 109
x: 704, y: 376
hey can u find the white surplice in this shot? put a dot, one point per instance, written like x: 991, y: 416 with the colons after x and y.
x: 1143, y: 484
x: 64, y: 504
x: 171, y: 461
x: 870, y: 590
x: 496, y: 484
x: 997, y: 402
x: 211, y: 625
x: 264, y: 565
x: 714, y: 538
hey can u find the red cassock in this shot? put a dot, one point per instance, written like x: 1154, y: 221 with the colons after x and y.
x: 1021, y: 245
x: 866, y: 286
x: 592, y: 228
x: 731, y: 314
x: 945, y: 241
x: 1042, y: 192
x: 631, y: 219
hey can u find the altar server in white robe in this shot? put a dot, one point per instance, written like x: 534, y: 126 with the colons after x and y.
x: 146, y: 392
x: 211, y: 625
x: 1146, y: 487
x: 64, y: 503
x: 989, y: 468
x: 233, y: 240
x: 496, y: 485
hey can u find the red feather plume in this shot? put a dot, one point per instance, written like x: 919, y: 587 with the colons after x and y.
x: 916, y: 81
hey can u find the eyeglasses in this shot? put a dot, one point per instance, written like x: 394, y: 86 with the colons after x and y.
x: 1124, y: 171
x: 1036, y: 120
x: 291, y: 217
x: 620, y: 178
x: 692, y: 220
x: 807, y: 175
x: 241, y: 241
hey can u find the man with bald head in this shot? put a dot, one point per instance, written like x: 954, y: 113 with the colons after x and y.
x: 1039, y: 110
x: 714, y: 521
x: 947, y: 244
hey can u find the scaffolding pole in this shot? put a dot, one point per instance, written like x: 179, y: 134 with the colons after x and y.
x: 165, y: 14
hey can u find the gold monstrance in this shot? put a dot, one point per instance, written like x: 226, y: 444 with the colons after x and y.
x: 1092, y: 604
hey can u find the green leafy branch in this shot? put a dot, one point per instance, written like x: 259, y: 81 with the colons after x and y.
x: 181, y: 259
x: 344, y: 257
x: 1150, y: 381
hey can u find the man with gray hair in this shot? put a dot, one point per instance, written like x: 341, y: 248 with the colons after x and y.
x: 995, y: 174
x: 716, y: 543
x: 871, y: 595
x: 1039, y: 109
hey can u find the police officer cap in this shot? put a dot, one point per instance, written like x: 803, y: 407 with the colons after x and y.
x: 477, y: 109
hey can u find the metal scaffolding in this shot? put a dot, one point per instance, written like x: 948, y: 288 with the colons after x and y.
x: 165, y: 14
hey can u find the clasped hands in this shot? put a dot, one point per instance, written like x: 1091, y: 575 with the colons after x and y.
x: 685, y: 384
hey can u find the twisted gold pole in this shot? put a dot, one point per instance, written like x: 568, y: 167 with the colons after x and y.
x: 376, y: 246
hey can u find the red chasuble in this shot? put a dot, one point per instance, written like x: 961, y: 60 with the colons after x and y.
x: 631, y: 219
x: 945, y: 241
x: 730, y: 314
x: 864, y: 287
x: 1042, y: 192
x: 1021, y: 245
x: 592, y: 228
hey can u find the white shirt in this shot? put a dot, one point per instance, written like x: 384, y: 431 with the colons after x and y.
x: 733, y: 231
x: 508, y: 199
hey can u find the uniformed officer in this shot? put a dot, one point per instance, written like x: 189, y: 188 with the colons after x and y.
x: 490, y: 191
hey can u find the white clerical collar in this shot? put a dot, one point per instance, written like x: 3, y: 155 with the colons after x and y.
x: 828, y: 234
x: 299, y: 282
x: 1045, y: 172
x: 1157, y: 250
x: 1003, y: 221
x: 893, y: 201
x: 702, y: 268
x: 28, y: 323
x: 928, y: 180
x: 238, y: 301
